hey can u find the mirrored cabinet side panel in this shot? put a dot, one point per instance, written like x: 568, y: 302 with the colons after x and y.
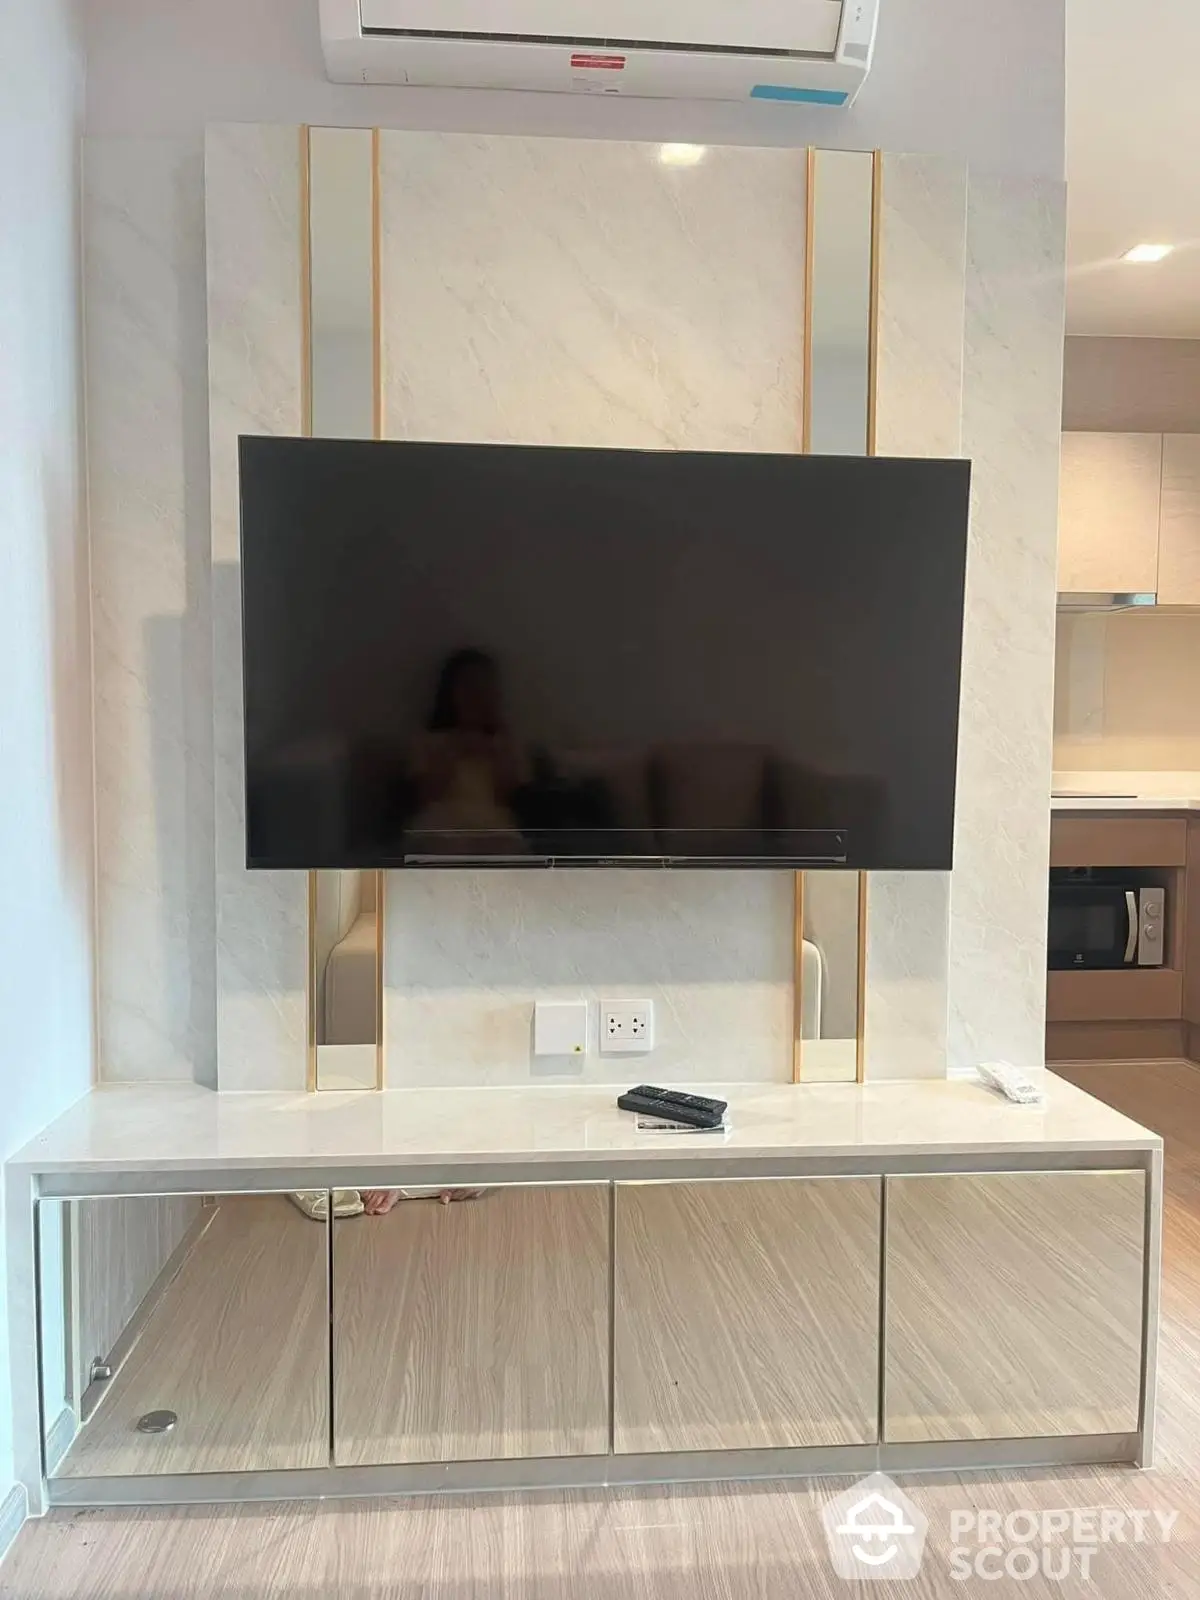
x: 183, y: 1334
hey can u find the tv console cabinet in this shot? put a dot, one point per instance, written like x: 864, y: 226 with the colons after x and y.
x: 895, y: 1276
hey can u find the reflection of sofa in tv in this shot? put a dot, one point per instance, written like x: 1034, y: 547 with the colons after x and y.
x: 670, y: 795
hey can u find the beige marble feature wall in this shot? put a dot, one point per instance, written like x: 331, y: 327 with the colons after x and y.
x: 564, y: 292
x: 919, y: 386
x: 254, y: 330
x: 1012, y: 402
x: 150, y: 557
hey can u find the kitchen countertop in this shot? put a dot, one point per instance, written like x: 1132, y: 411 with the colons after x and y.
x: 181, y: 1128
x: 1122, y: 802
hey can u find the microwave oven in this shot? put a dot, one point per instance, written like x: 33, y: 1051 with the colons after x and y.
x: 1096, y: 925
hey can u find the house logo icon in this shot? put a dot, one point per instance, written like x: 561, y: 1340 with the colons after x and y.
x: 874, y: 1531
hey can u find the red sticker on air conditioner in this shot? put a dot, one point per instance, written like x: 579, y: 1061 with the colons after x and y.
x: 598, y: 63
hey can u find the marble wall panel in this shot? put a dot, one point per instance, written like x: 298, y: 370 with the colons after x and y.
x: 1012, y: 400
x: 147, y: 442
x: 254, y: 219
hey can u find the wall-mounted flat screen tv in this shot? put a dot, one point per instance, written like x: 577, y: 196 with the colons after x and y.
x: 514, y: 656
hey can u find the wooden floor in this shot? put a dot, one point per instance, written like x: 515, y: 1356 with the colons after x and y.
x: 722, y: 1542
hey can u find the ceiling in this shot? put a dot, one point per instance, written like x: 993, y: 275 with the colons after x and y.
x: 1133, y: 165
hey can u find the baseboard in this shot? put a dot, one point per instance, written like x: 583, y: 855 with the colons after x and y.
x: 14, y: 1509
x: 59, y: 1439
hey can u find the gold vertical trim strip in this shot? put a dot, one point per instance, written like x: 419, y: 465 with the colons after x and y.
x: 798, y: 978
x: 311, y: 982
x: 380, y: 926
x: 378, y: 414
x: 306, y: 423
x: 306, y: 362
x: 873, y: 347
x: 872, y: 448
x: 810, y: 202
x: 860, y: 1051
x: 377, y: 277
x: 805, y: 448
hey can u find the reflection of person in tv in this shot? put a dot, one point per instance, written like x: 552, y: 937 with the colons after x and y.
x: 467, y: 768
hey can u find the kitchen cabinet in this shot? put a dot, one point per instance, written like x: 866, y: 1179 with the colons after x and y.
x: 1129, y: 515
x: 1179, y: 549
x: 1109, y: 513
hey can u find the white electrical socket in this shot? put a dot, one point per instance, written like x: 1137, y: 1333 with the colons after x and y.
x: 626, y: 1027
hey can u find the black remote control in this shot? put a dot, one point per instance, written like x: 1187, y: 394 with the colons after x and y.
x: 672, y: 1105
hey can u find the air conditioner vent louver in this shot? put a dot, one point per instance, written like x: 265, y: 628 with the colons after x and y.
x: 574, y: 43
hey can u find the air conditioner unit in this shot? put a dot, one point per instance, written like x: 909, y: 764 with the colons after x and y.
x: 809, y: 52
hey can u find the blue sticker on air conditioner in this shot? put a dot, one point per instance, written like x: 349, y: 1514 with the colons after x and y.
x: 810, y: 97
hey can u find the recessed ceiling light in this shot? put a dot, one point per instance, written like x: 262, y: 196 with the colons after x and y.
x: 682, y: 155
x: 1148, y: 252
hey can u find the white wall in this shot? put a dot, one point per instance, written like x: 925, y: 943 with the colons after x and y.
x: 46, y: 827
x: 967, y: 78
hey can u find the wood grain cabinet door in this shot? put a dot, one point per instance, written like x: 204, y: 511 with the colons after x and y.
x: 1109, y: 514
x: 1179, y: 552
x: 1014, y: 1305
x: 473, y: 1332
x: 746, y: 1315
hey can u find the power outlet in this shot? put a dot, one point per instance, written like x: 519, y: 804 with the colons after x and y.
x: 626, y: 1027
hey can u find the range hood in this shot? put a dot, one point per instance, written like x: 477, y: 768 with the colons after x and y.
x: 1080, y: 600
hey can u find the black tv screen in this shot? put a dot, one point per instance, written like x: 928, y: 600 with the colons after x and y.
x: 528, y: 656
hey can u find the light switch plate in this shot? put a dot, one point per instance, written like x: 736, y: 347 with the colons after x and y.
x: 560, y: 1028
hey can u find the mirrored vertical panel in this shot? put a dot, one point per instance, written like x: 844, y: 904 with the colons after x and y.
x: 345, y: 920
x: 183, y: 1334
x: 839, y: 359
x: 346, y: 945
x: 838, y: 410
x: 829, y: 976
x: 477, y: 1331
x: 341, y: 209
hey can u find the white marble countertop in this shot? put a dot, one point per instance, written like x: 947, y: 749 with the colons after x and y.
x: 1126, y: 791
x: 163, y: 1128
